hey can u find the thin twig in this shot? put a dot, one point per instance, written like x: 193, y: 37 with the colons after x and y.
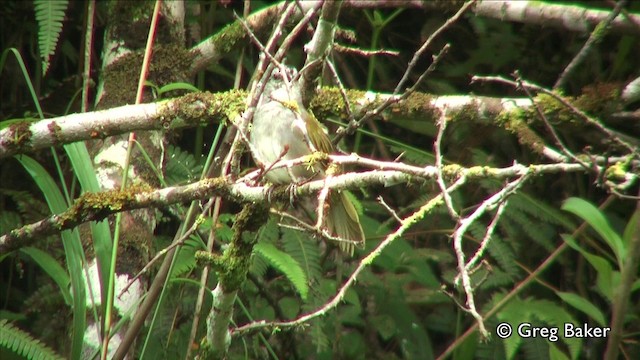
x: 533, y: 276
x: 389, y: 209
x: 395, y: 99
x: 596, y: 35
x: 427, y: 43
x: 437, y: 145
x: 362, y: 52
x: 458, y: 235
x: 391, y: 99
x: 487, y: 236
x: 164, y: 251
x: 546, y: 122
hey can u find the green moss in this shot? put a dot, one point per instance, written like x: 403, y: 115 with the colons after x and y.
x: 467, y: 114
x: 101, y: 204
x: 600, y: 99
x: 129, y: 22
x: 328, y: 102
x: 19, y: 136
x: 618, y: 171
x: 481, y: 172
x: 451, y: 171
x: 516, y: 122
x: 209, y: 259
x: 417, y: 104
x: 235, y: 35
x: 229, y: 37
x: 55, y: 131
x: 236, y: 259
x: 170, y: 63
x: 203, y: 108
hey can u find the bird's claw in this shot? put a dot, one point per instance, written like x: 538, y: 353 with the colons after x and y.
x: 292, y: 188
x: 269, y: 193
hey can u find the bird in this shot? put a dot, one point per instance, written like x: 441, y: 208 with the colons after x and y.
x: 283, y: 129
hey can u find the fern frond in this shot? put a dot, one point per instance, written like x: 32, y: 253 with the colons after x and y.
x: 504, y: 255
x: 23, y: 344
x: 499, y: 250
x: 285, y: 264
x: 185, y: 261
x: 9, y: 220
x: 49, y: 14
x: 318, y: 337
x: 305, y: 251
x: 539, y: 210
x: 557, y: 316
x: 181, y: 166
x: 258, y: 266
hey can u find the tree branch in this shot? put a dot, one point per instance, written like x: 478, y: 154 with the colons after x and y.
x: 198, y: 109
x: 97, y: 206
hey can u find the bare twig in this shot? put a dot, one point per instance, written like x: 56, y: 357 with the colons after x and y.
x: 389, y: 100
x: 596, y: 35
x: 173, y: 245
x: 394, y: 99
x: 458, y: 235
x: 427, y: 44
x: 437, y: 145
x: 546, y: 122
x: 389, y: 209
x: 487, y: 237
x: 362, y: 52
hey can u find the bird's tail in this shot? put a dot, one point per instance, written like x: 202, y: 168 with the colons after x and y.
x: 343, y: 222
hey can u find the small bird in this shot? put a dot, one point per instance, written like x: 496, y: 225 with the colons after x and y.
x: 284, y: 130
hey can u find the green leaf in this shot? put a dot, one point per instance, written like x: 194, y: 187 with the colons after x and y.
x: 177, y: 86
x: 72, y: 249
x: 631, y: 228
x: 555, y: 353
x: 100, y: 231
x: 52, y: 268
x: 606, y: 280
x: 594, y: 217
x: 583, y: 305
x: 285, y: 264
x: 45, y: 182
x: 49, y: 15
x: 184, y: 259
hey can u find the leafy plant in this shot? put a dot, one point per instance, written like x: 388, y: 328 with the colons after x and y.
x: 21, y: 343
x: 50, y: 15
x: 608, y: 271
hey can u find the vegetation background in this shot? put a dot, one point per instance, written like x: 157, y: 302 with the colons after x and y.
x: 565, y: 248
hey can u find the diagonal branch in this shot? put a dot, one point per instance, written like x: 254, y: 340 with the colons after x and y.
x: 404, y: 226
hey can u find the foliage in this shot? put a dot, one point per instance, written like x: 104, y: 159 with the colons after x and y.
x: 406, y: 304
x: 182, y: 167
x: 23, y: 344
x: 49, y: 15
